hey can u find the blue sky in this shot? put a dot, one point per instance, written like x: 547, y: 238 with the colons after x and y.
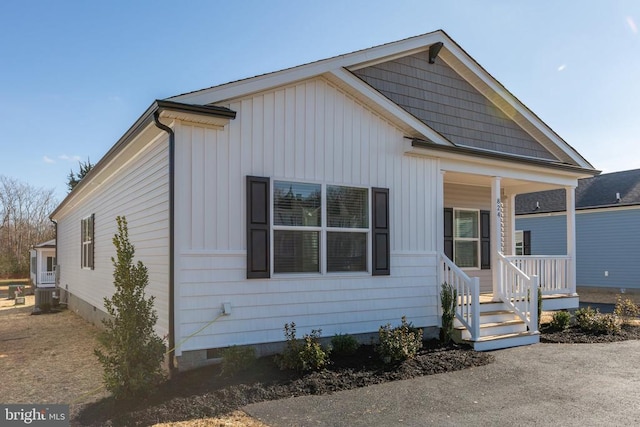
x: 74, y: 75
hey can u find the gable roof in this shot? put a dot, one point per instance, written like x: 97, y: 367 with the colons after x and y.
x: 342, y: 69
x: 48, y: 244
x: 598, y: 192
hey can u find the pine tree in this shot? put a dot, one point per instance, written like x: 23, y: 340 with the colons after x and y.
x: 75, y: 177
x: 131, y: 353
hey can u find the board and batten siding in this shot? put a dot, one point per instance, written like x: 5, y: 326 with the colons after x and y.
x: 310, y: 131
x: 606, y: 240
x: 139, y: 190
x: 441, y: 98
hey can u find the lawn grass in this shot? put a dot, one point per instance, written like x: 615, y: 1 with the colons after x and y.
x: 8, y: 281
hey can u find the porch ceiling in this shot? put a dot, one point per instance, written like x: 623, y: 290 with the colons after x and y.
x: 512, y: 185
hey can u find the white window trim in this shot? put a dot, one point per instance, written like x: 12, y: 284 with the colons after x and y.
x: 519, y: 233
x: 84, y: 255
x: 323, y: 229
x: 468, y: 239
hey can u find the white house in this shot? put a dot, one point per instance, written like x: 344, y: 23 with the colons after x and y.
x: 338, y: 195
x: 43, y: 264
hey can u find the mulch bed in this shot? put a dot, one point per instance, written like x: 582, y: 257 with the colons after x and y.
x: 204, y: 393
x: 574, y: 335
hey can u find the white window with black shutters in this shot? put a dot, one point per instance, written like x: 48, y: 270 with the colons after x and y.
x: 315, y: 228
x: 86, y: 240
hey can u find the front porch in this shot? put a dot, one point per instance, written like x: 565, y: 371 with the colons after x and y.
x: 507, y: 317
x: 495, y: 277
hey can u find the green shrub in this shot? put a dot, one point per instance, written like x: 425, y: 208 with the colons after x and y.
x: 312, y: 356
x: 561, y: 320
x: 539, y: 306
x: 344, y: 345
x: 626, y: 309
x: 590, y: 320
x: 606, y: 324
x: 449, y: 301
x: 236, y: 359
x: 585, y: 317
x: 399, y: 343
x: 302, y: 355
x: 131, y: 353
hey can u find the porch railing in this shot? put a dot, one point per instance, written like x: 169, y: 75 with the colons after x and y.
x: 519, y: 291
x: 553, y: 271
x: 468, y: 290
x: 47, y: 277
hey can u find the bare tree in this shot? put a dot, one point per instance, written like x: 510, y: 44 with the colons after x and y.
x: 24, y: 222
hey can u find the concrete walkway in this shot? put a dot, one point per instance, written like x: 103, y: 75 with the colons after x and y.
x: 543, y: 384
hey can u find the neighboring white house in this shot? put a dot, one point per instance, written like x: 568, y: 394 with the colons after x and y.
x: 338, y: 195
x: 43, y: 264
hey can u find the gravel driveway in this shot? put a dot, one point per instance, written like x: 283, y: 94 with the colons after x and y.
x: 544, y: 384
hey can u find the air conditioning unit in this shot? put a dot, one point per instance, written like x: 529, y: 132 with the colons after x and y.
x: 47, y: 298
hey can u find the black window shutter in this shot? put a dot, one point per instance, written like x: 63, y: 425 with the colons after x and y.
x: 380, y: 219
x: 526, y: 242
x: 258, y: 228
x: 485, y: 240
x: 448, y: 233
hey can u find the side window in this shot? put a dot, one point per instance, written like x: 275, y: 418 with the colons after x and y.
x: 523, y: 242
x: 87, y: 242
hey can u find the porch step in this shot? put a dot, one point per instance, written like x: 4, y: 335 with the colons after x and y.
x: 495, y: 342
x: 491, y: 317
x: 491, y: 329
x: 500, y: 327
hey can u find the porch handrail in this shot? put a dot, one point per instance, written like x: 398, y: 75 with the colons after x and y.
x: 553, y: 271
x: 519, y: 291
x: 47, y: 277
x: 468, y: 290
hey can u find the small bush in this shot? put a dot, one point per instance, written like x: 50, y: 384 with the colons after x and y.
x: 236, y: 359
x: 399, y: 343
x: 302, y: 355
x: 312, y: 356
x: 626, y: 309
x: 584, y: 317
x: 449, y: 301
x: 590, y: 320
x: 606, y: 324
x: 344, y: 345
x: 539, y: 306
x: 560, y: 320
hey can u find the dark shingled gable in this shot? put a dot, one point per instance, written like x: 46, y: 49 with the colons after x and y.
x: 597, y: 192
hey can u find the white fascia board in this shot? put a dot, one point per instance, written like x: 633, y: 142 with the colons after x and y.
x: 500, y: 91
x: 466, y: 163
x: 388, y: 106
x: 368, y: 56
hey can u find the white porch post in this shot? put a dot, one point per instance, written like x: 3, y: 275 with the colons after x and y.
x: 512, y: 223
x: 571, y: 238
x: 496, y: 234
x: 439, y: 237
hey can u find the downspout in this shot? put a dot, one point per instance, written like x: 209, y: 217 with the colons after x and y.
x: 172, y: 150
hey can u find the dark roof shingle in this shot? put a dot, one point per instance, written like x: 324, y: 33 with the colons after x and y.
x: 597, y: 192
